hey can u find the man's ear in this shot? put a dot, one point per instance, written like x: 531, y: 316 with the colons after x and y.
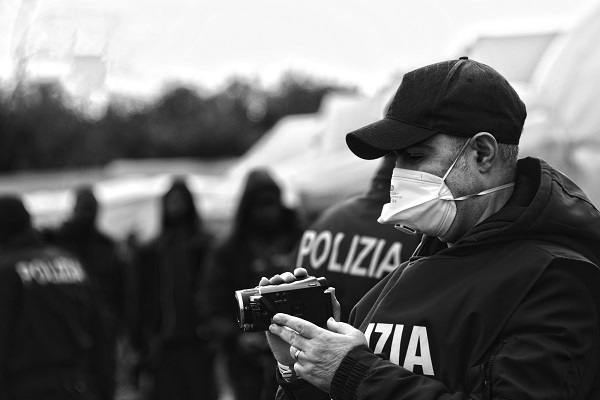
x: 487, y: 149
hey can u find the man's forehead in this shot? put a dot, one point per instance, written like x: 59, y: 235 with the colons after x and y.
x: 432, y: 143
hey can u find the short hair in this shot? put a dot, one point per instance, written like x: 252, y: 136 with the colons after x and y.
x: 508, y: 155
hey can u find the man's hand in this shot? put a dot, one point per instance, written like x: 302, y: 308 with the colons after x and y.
x: 286, y: 277
x: 321, y: 350
x: 301, y: 273
x: 281, y: 349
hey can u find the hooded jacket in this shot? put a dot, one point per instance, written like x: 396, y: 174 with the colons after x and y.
x: 259, y: 244
x: 511, y: 311
x: 348, y: 247
x: 52, y: 340
x: 168, y: 273
x: 248, y: 253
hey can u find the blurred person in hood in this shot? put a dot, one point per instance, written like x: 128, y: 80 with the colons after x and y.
x: 501, y: 300
x: 101, y: 253
x: 260, y: 243
x: 103, y: 259
x: 174, y: 344
x: 52, y: 339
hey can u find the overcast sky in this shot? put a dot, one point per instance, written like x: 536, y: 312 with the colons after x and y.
x: 361, y: 42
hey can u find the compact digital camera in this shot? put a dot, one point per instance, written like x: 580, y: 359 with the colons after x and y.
x: 306, y: 299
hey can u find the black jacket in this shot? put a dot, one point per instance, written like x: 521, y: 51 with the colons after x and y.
x: 167, y: 276
x: 51, y: 336
x: 348, y: 247
x: 509, y: 312
x: 247, y: 253
x: 102, y: 259
x: 169, y: 270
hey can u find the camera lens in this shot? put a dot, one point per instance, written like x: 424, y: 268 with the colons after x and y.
x: 242, y: 307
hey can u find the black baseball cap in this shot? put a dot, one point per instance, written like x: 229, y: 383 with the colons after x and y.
x: 458, y: 97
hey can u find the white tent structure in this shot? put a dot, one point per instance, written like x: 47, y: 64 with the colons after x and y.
x: 564, y: 126
x: 292, y: 137
x: 514, y: 50
x: 331, y: 172
x: 555, y: 67
x: 307, y: 155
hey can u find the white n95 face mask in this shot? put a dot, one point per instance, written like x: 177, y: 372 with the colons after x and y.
x: 422, y: 203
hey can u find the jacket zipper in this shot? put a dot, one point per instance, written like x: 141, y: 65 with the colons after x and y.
x: 486, y: 370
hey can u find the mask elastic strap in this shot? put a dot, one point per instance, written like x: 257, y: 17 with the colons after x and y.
x: 488, y: 191
x: 455, y: 160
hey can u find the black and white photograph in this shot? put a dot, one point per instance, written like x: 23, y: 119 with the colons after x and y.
x: 309, y: 200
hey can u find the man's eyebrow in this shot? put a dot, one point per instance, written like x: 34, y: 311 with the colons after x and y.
x: 425, y: 145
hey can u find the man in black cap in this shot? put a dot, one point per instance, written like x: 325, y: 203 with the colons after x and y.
x: 502, y: 297
x: 51, y: 338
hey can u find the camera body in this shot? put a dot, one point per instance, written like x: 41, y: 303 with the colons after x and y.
x: 306, y: 299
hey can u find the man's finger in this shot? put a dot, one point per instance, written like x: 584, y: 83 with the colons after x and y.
x: 304, y: 328
x: 337, y: 309
x: 288, y: 277
x: 276, y: 280
x: 339, y: 327
x: 300, y: 273
x: 293, y: 351
x: 289, y: 336
x: 264, y: 281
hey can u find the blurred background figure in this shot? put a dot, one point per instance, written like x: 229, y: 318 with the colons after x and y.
x: 52, y: 340
x: 260, y: 243
x: 103, y: 261
x: 174, y: 345
x: 350, y: 248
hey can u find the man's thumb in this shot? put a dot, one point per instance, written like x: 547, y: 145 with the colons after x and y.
x: 338, y: 327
